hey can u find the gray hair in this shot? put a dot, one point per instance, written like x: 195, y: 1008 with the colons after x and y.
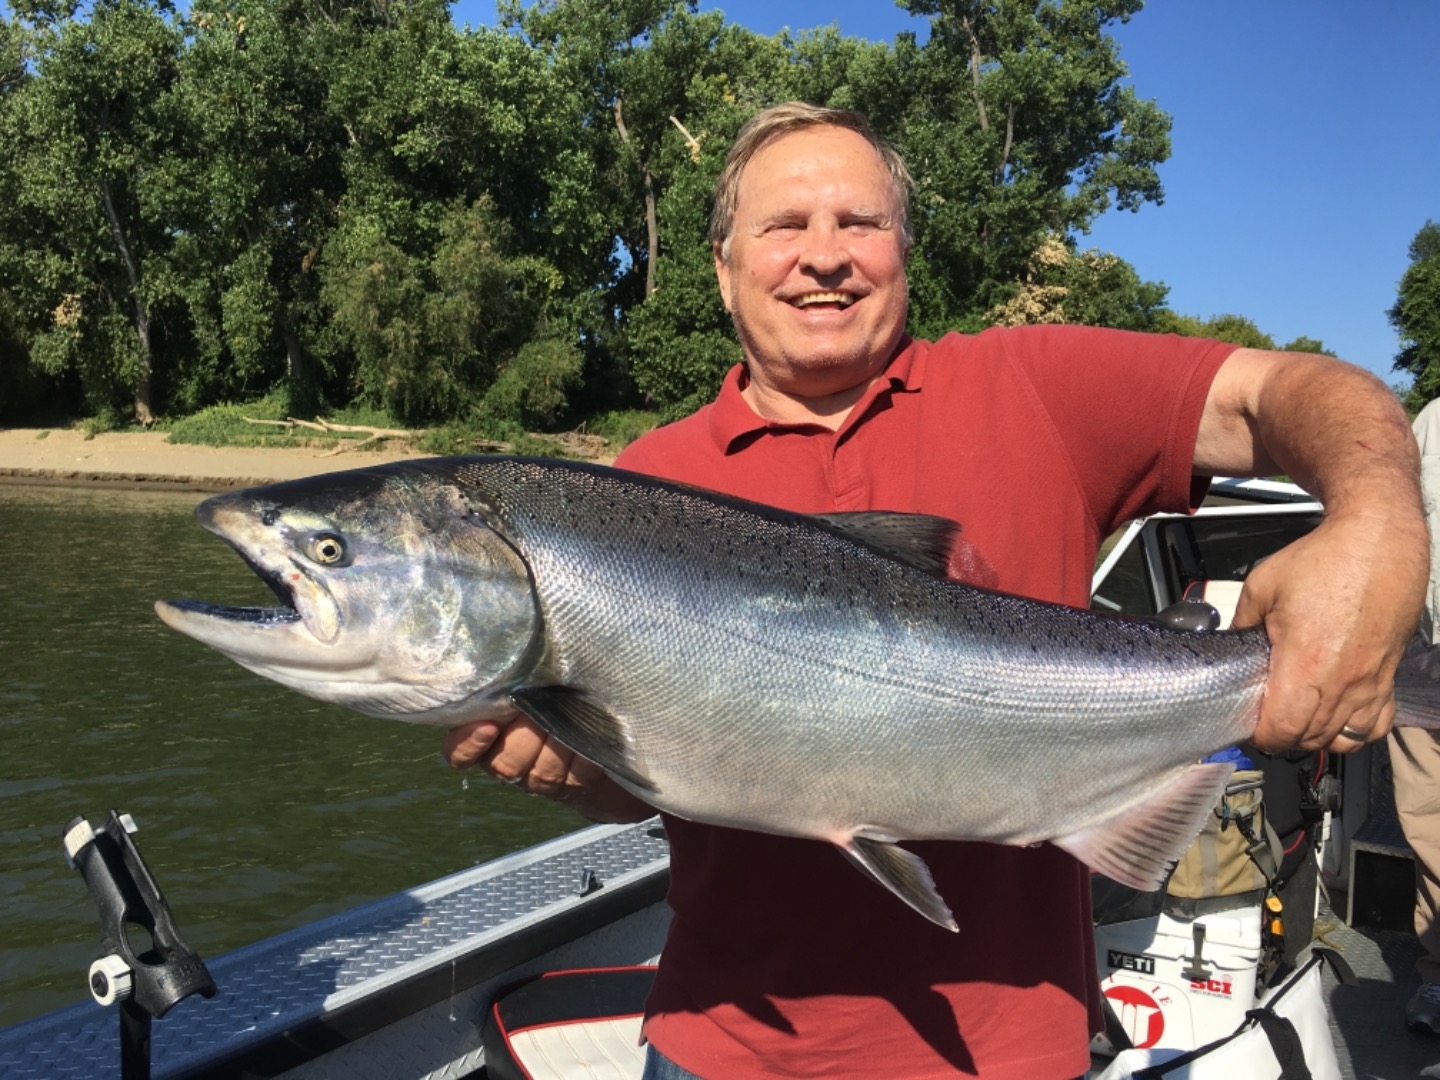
x: 770, y: 124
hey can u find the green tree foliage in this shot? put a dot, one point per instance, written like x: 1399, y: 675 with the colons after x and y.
x: 1416, y: 316
x: 262, y: 176
x: 91, y: 140
x: 334, y: 203
x: 1236, y: 329
x: 655, y: 85
x: 1307, y: 345
x: 680, y: 340
x: 1016, y: 125
x: 22, y: 387
x: 1090, y: 288
x: 428, y: 330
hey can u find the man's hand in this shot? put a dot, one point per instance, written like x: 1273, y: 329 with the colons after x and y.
x: 1339, y: 605
x: 518, y: 752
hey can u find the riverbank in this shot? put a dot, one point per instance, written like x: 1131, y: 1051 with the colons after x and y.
x: 147, y: 461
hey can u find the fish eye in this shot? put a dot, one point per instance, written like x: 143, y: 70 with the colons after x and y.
x: 327, y: 549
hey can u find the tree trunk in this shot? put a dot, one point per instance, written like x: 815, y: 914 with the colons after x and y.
x: 652, y: 221
x: 652, y: 234
x: 295, y: 367
x: 144, y: 402
x: 1009, y: 142
x: 975, y: 59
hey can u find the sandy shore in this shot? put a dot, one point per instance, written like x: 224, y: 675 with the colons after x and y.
x: 144, y: 460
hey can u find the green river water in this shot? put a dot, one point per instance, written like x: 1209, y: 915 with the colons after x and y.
x: 258, y: 809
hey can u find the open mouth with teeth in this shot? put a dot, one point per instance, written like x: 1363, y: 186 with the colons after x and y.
x: 308, y: 618
x: 823, y: 301
x: 287, y: 613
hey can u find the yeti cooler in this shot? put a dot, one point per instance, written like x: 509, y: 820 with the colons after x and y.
x: 1178, y: 982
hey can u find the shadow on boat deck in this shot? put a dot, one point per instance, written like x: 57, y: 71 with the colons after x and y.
x: 1368, y: 1020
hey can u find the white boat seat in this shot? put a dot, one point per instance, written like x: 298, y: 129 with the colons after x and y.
x: 569, y: 1025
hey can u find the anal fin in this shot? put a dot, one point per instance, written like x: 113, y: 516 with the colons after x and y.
x: 585, y: 726
x: 1138, y: 846
x: 903, y: 873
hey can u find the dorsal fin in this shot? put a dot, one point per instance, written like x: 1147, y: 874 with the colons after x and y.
x: 1192, y: 616
x: 919, y: 540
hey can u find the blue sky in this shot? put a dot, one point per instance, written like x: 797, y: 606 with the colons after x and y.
x: 1306, y: 155
x: 1306, y: 152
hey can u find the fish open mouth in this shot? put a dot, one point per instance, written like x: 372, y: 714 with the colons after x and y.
x: 287, y: 613
x: 230, y: 613
x: 307, y: 609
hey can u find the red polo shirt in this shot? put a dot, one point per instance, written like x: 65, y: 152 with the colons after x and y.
x: 784, y: 961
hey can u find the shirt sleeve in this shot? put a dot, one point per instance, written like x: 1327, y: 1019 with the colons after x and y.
x: 1125, y: 408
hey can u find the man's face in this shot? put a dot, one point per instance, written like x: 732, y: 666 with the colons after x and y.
x: 816, y: 275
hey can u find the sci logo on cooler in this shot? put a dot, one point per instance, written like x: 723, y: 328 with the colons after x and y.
x: 1215, y: 987
x: 1139, y: 1014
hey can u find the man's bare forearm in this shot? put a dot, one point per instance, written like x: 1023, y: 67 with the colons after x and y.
x: 1340, y: 603
x: 1334, y: 428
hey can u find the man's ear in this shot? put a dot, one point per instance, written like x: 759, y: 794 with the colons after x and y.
x: 722, y: 274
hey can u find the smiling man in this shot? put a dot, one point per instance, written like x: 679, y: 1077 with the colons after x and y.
x: 812, y: 270
x: 781, y: 961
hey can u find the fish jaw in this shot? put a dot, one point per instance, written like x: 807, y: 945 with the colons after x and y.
x: 276, y: 643
x: 395, y: 600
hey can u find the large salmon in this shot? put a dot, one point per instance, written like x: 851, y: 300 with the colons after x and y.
x: 811, y: 676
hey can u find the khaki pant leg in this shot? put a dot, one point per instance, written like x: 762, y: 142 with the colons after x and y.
x: 1415, y: 759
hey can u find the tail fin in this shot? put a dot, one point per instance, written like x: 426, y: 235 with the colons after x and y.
x: 1417, y: 685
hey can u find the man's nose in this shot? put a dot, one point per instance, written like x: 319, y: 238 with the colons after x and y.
x: 824, y: 253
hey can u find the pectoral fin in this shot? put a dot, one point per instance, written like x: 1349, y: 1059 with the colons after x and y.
x: 585, y: 726
x: 903, y: 873
x: 1138, y: 846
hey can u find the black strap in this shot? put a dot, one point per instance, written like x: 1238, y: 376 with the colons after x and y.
x: 1344, y: 973
x: 1284, y: 1044
x: 1114, y: 1030
x: 1258, y: 847
x: 1155, y: 1072
x: 1190, y: 907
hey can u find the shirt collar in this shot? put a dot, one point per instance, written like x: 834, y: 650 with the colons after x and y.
x: 732, y: 418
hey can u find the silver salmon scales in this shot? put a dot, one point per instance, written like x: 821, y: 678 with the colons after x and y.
x: 749, y: 667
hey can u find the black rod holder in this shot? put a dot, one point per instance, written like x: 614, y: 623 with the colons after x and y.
x: 147, y: 981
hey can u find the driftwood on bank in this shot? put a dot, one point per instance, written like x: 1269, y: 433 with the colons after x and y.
x: 373, y: 434
x: 575, y: 444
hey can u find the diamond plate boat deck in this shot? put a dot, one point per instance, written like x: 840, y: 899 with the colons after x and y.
x: 319, y: 1000
x: 1367, y: 1021
x: 397, y: 988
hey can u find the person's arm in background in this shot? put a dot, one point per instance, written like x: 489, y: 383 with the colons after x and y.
x: 1427, y: 436
x: 1339, y: 604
